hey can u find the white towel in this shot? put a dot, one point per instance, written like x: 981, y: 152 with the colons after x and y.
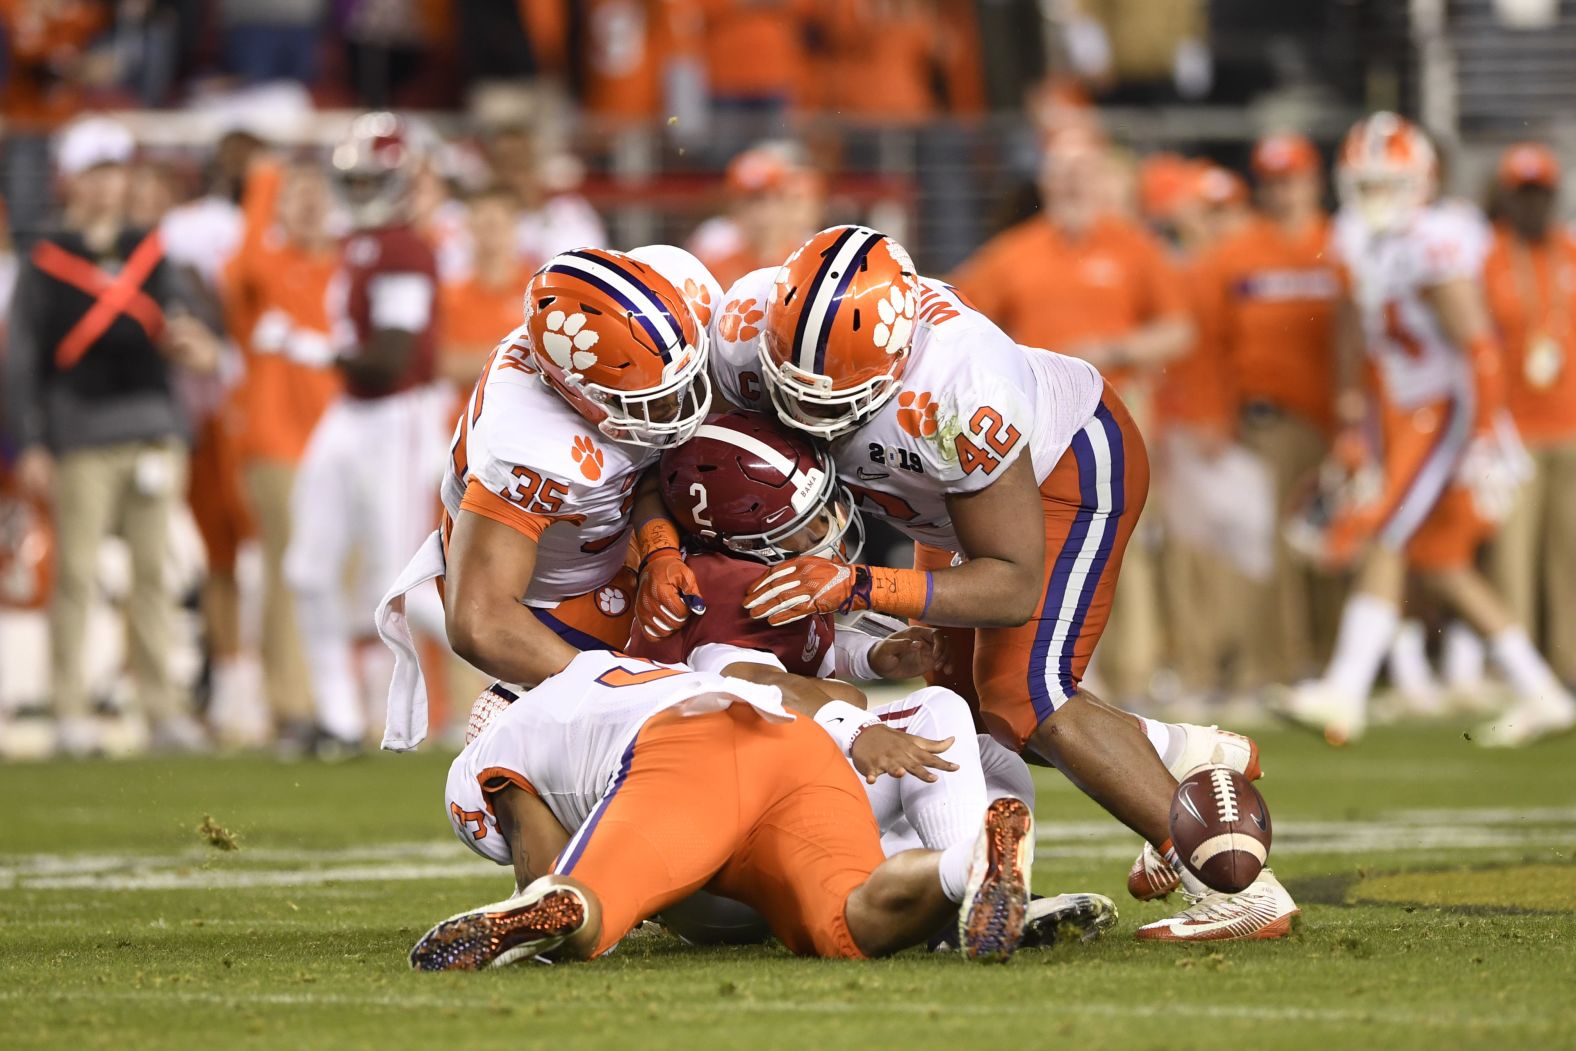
x: 406, y: 726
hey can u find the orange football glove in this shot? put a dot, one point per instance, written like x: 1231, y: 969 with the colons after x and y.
x: 811, y: 585
x: 668, y: 591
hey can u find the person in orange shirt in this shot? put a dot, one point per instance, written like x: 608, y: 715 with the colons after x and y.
x: 776, y: 204
x: 886, y: 56
x: 483, y: 307
x: 1530, y: 284
x: 1082, y: 281
x: 1267, y: 298
x: 275, y: 291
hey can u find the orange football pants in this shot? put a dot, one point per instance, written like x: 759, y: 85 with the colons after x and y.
x: 1017, y: 677
x: 767, y: 813
x: 1421, y: 510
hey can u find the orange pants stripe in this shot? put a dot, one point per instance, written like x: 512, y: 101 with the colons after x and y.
x: 767, y: 813
x: 1017, y: 677
x: 599, y: 620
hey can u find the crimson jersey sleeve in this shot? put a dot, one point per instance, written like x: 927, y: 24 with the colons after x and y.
x: 801, y: 646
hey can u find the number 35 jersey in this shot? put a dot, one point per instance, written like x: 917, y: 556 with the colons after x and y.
x: 972, y: 402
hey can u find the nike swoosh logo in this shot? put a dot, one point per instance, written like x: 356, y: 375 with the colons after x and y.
x: 1189, y: 805
x: 871, y: 476
x: 835, y: 719
x: 1259, y: 821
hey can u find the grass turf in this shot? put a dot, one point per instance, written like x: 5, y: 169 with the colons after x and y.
x: 1439, y: 911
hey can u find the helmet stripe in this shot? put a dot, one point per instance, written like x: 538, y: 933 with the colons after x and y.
x: 843, y: 282
x: 807, y: 335
x: 629, y: 292
x: 749, y: 443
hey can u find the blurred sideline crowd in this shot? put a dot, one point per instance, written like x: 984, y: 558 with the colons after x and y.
x: 148, y: 496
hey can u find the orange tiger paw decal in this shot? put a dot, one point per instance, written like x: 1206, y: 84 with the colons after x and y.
x: 699, y: 297
x: 916, y: 413
x: 589, y: 457
x: 741, y: 321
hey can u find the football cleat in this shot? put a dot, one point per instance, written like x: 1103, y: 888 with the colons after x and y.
x: 1065, y: 918
x: 1525, y: 722
x: 1339, y: 718
x: 1152, y: 876
x: 1262, y: 911
x: 996, y: 901
x: 533, y: 922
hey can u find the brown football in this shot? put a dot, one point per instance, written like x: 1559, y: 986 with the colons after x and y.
x: 1220, y: 828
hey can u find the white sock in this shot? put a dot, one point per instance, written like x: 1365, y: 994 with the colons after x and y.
x: 1006, y: 774
x: 1191, y: 884
x: 1529, y: 675
x: 1168, y: 739
x: 325, y: 639
x: 1463, y: 658
x: 1368, y: 624
x: 954, y: 869
x: 947, y: 810
x: 1408, y: 660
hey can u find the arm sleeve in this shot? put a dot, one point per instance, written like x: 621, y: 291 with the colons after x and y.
x: 851, y: 650
x: 24, y: 417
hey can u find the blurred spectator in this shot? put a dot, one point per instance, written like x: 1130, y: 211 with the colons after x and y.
x: 757, y: 66
x: 641, y: 60
x: 1079, y: 280
x: 276, y: 291
x: 1267, y: 298
x: 901, y: 60
x: 553, y: 218
x: 268, y: 40
x: 1530, y: 282
x: 98, y: 327
x: 385, y: 42
x: 776, y: 203
x: 479, y: 310
x: 48, y: 61
x: 1143, y: 52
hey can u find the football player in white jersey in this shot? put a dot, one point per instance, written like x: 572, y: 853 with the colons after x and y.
x: 1020, y: 475
x: 619, y: 787
x: 1444, y: 469
x: 544, y: 479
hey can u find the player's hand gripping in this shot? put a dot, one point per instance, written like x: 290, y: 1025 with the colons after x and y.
x: 882, y: 750
x: 668, y: 594
x: 910, y: 654
x: 803, y: 587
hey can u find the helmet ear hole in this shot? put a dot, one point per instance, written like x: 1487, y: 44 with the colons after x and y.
x: 856, y: 319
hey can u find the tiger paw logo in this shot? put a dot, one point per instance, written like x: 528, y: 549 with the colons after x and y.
x: 589, y: 457
x: 741, y: 321
x: 895, y: 318
x: 916, y: 413
x: 568, y: 342
x: 612, y: 601
x: 699, y: 297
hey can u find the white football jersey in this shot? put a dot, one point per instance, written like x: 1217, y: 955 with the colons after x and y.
x: 972, y: 402
x: 1388, y: 274
x: 572, y: 738
x: 523, y: 442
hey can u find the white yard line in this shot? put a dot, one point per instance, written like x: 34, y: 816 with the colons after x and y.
x: 747, y: 1004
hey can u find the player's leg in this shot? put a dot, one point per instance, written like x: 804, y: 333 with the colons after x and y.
x: 322, y: 510
x: 944, y: 811
x: 88, y: 497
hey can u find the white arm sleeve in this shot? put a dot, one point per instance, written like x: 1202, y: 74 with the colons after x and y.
x: 852, y: 652
x: 715, y: 656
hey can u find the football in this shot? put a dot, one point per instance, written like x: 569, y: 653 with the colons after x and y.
x: 1220, y: 828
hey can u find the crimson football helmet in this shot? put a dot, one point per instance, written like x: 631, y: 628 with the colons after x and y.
x: 621, y: 344
x: 838, y: 329
x: 745, y: 486
x: 1386, y: 171
x: 376, y: 166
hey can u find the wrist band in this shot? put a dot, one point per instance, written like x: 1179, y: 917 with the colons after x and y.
x: 902, y: 593
x: 654, y: 534
x: 844, y: 722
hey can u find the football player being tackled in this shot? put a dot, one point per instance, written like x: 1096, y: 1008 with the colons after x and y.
x: 544, y: 475
x: 747, y: 492
x: 1446, y: 466
x: 672, y: 780
x: 1020, y: 476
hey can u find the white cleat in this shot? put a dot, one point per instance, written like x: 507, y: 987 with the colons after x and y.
x: 537, y: 920
x: 1340, y: 718
x: 996, y: 901
x: 1527, y: 721
x: 1067, y: 917
x: 1264, y: 910
x: 1152, y: 876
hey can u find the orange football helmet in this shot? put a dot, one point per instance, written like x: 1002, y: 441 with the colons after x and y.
x: 621, y: 344
x: 838, y: 329
x: 1386, y: 171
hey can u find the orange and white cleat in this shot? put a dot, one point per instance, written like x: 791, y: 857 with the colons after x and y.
x: 996, y: 902
x: 1152, y: 876
x: 533, y: 922
x: 1263, y: 911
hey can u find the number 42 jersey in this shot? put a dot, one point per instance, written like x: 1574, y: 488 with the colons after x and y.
x: 972, y: 402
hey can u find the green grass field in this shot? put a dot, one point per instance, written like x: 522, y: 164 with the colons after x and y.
x: 1437, y: 884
